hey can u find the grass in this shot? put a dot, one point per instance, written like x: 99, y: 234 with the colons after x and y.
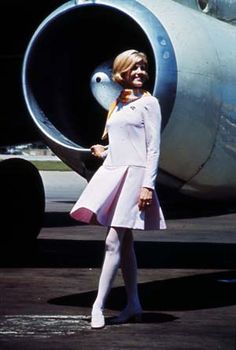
x: 51, y: 165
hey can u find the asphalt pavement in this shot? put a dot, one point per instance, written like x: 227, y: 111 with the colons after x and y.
x: 187, y: 280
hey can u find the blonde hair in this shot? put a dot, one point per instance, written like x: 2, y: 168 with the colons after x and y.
x: 124, y: 62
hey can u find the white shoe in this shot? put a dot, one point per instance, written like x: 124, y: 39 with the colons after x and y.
x: 97, y: 319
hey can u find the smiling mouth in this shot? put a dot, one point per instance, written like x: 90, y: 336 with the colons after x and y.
x: 138, y: 80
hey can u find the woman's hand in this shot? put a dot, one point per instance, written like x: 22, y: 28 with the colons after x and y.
x: 145, y: 198
x: 97, y: 150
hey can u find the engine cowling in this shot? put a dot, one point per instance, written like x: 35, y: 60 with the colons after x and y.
x: 190, y: 72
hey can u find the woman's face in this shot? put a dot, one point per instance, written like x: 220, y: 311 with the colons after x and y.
x: 136, y: 76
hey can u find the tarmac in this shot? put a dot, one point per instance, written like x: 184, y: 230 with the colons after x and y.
x: 187, y: 279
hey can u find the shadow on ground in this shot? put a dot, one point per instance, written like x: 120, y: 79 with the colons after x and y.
x: 82, y: 254
x: 177, y: 294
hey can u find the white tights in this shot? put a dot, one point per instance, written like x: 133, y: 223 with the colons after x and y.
x: 119, y: 252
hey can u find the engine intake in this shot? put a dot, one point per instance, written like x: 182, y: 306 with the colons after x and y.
x: 63, y: 54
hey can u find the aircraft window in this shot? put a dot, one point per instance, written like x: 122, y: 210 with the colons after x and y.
x: 203, y: 5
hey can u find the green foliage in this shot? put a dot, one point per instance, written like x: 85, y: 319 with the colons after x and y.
x: 51, y: 165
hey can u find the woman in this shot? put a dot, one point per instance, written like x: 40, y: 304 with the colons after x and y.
x: 121, y: 195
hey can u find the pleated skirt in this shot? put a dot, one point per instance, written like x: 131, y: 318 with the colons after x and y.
x: 111, y: 199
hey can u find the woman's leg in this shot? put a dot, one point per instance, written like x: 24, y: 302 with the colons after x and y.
x: 129, y: 272
x: 110, y: 266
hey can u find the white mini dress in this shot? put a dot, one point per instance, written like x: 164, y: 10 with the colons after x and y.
x: 131, y: 162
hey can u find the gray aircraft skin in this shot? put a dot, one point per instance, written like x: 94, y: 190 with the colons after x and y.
x: 67, y: 87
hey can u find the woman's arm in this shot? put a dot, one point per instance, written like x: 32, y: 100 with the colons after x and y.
x: 152, y: 125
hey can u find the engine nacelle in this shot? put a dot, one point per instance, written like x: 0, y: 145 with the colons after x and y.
x: 192, y: 60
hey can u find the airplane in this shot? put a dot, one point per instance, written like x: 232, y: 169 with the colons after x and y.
x: 56, y: 78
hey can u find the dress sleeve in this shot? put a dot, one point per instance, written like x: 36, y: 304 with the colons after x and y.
x: 152, y: 126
